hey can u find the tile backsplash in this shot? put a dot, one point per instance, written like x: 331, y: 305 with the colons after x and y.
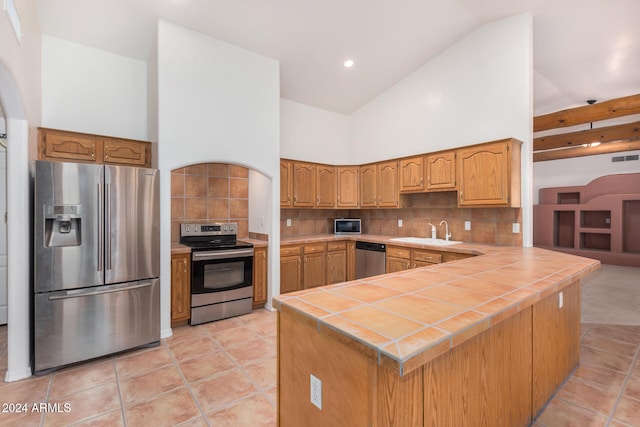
x: 210, y: 192
x: 493, y: 226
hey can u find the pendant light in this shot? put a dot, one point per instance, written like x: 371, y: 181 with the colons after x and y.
x: 595, y: 143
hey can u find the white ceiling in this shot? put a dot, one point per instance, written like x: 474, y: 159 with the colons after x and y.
x: 583, y: 49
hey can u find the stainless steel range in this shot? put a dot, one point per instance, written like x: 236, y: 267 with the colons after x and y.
x: 221, y: 271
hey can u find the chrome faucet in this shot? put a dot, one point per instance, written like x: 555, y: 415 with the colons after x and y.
x: 447, y: 234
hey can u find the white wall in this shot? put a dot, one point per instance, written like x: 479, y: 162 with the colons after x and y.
x: 553, y: 173
x: 312, y: 134
x: 20, y: 99
x: 88, y: 90
x: 219, y: 103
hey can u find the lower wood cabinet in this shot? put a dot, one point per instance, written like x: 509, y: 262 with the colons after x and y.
x: 398, y: 259
x: 351, y: 260
x: 290, y: 268
x: 336, y: 262
x: 260, y: 277
x: 180, y: 287
x: 314, y: 265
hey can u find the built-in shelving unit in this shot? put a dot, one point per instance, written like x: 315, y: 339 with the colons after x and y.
x: 600, y: 220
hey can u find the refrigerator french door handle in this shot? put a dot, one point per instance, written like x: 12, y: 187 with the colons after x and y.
x: 107, y: 225
x: 100, y: 229
x: 93, y: 293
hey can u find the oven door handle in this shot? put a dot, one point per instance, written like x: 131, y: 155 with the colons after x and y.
x: 203, y: 256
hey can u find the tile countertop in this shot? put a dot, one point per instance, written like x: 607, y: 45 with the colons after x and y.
x: 410, y: 317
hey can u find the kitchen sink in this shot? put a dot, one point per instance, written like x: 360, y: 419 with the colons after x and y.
x: 425, y: 241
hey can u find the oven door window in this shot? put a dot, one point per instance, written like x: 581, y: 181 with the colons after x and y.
x: 223, y: 275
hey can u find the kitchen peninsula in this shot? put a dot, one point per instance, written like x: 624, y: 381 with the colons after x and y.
x: 482, y: 340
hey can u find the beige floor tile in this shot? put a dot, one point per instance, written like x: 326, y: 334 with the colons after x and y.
x: 219, y: 391
x: 252, y: 352
x: 220, y: 325
x: 205, y: 366
x: 255, y: 411
x: 196, y: 422
x: 84, y: 404
x: 20, y: 419
x: 184, y: 350
x: 589, y: 396
x: 628, y: 411
x: 82, y: 377
x: 560, y: 413
x: 30, y: 390
x: 601, y: 377
x: 111, y: 419
x: 136, y: 364
x: 264, y: 328
x: 598, y: 359
x: 234, y: 337
x: 168, y: 409
x: 149, y: 384
x: 264, y: 373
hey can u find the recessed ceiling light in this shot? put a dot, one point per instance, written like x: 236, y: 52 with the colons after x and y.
x: 348, y: 63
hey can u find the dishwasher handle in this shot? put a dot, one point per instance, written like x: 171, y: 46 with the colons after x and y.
x: 368, y: 246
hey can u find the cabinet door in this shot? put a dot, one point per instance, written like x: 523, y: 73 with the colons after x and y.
x: 180, y: 287
x: 484, y: 175
x: 412, y: 175
x: 290, y: 273
x: 397, y: 264
x: 304, y: 184
x: 127, y: 153
x: 63, y: 146
x: 368, y: 186
x: 348, y: 183
x: 286, y: 184
x: 351, y: 260
x: 441, y: 171
x: 314, y: 267
x: 388, y: 184
x: 259, y: 277
x: 325, y: 186
x: 336, y: 266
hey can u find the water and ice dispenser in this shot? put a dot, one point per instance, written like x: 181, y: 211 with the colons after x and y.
x: 62, y: 225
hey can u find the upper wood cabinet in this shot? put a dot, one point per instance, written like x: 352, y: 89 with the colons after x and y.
x: 412, y: 174
x: 325, y: 186
x: 379, y: 184
x: 441, y: 171
x: 304, y: 184
x: 489, y: 174
x: 348, y: 180
x: 286, y: 183
x: 59, y: 145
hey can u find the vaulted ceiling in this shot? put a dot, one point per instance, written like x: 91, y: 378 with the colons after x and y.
x: 583, y: 49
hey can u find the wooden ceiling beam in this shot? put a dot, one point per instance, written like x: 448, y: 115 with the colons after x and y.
x: 565, y: 153
x: 624, y: 132
x: 590, y: 113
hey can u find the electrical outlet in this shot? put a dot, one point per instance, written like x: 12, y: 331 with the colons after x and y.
x: 560, y: 299
x: 288, y: 222
x: 261, y: 220
x: 516, y: 227
x: 467, y: 225
x: 316, y: 391
x: 399, y: 222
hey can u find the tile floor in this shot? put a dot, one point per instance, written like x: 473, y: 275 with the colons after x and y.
x: 224, y: 374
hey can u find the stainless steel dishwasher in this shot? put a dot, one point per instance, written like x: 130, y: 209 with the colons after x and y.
x: 370, y: 259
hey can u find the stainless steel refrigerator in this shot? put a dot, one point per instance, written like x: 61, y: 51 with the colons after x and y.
x: 96, y: 261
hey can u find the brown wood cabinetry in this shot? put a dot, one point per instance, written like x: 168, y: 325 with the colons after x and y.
x: 290, y: 268
x: 379, y: 185
x: 422, y: 258
x: 325, y: 186
x: 351, y: 260
x: 348, y: 180
x: 259, y: 277
x: 314, y: 265
x: 336, y: 262
x: 180, y: 287
x: 304, y: 184
x: 441, y: 171
x: 489, y: 174
x: 398, y: 259
x: 66, y: 146
x: 286, y: 183
x: 412, y: 174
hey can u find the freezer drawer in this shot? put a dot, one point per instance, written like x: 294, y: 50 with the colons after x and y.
x: 81, y: 324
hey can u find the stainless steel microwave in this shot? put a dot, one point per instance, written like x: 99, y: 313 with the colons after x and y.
x: 347, y: 226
